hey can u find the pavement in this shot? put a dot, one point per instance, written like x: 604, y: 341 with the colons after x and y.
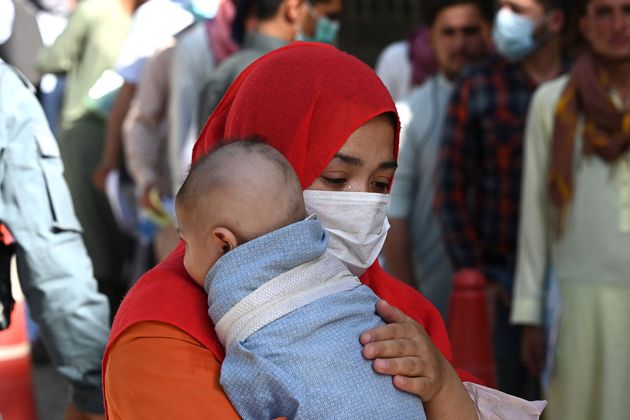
x: 51, y: 390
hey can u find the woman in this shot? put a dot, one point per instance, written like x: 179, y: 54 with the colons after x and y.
x: 322, y: 109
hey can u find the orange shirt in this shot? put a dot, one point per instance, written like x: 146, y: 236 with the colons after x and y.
x: 168, y: 366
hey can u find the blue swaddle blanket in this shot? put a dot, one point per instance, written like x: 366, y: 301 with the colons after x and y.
x: 290, y: 316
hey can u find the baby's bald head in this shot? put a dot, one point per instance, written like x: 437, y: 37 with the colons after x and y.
x: 247, y: 187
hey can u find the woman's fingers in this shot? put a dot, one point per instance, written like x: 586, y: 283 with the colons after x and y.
x: 410, y: 366
x: 389, y: 313
x: 411, y: 374
x: 403, y: 350
x: 420, y: 386
x: 399, y: 325
x: 389, y: 332
x: 390, y: 349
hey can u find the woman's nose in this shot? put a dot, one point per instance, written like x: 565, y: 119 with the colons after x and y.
x: 358, y: 186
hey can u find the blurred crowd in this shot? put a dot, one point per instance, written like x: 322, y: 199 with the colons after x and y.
x: 514, y: 157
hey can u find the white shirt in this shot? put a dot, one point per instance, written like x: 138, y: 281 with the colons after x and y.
x: 7, y: 16
x: 394, y: 69
x: 152, y: 26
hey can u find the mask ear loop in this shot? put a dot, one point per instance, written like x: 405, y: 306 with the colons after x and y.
x: 312, y: 12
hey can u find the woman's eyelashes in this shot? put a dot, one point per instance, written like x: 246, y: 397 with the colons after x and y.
x: 380, y: 187
x: 335, y: 182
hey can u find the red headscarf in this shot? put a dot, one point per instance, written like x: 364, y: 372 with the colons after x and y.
x: 305, y: 100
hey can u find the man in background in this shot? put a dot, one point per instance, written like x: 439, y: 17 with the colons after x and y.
x: 575, y: 225
x: 279, y: 22
x: 415, y: 251
x: 480, y: 169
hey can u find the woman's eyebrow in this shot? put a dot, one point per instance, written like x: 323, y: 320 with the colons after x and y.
x: 354, y: 161
x: 351, y: 160
x: 392, y: 164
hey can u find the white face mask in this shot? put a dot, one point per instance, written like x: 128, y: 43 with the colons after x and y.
x: 356, y: 224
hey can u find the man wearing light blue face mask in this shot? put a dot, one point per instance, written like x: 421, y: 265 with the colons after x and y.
x: 518, y: 34
x: 478, y: 191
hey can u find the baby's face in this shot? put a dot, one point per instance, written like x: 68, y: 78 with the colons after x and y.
x: 201, y: 252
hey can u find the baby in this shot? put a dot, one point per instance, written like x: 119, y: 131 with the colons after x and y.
x: 288, y: 313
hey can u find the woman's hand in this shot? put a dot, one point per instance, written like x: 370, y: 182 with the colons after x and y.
x: 403, y: 350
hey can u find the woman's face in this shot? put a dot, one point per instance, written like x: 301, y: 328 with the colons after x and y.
x: 365, y: 163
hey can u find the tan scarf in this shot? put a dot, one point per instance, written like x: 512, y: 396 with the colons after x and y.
x: 606, y: 128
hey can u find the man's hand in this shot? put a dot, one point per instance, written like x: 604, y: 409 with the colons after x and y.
x: 145, y: 200
x: 533, y: 349
x: 99, y: 176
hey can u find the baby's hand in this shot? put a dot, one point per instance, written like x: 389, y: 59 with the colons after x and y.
x: 403, y: 350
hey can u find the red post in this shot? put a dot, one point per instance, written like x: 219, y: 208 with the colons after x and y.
x: 469, y: 326
x: 16, y: 382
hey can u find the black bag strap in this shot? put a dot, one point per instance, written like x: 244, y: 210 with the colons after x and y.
x: 6, y: 297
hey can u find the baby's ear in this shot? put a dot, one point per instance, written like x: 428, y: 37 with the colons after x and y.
x: 226, y: 237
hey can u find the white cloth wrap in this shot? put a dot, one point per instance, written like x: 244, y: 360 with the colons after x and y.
x: 278, y: 297
x: 493, y: 404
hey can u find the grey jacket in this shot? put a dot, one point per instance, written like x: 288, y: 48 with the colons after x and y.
x: 255, y: 46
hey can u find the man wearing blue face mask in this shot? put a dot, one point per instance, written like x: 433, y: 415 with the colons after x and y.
x: 265, y: 25
x: 479, y: 185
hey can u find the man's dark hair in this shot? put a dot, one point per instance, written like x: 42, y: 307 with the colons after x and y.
x: 261, y: 9
x: 556, y: 4
x: 435, y: 7
x: 580, y: 7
